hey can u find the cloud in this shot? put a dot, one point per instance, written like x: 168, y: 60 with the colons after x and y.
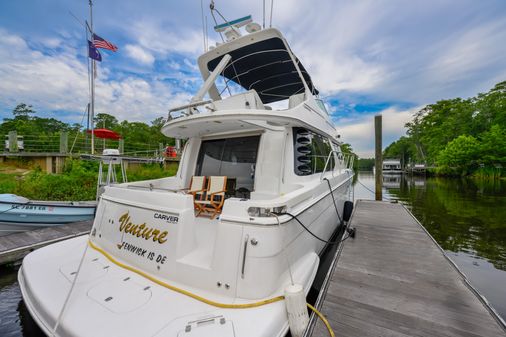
x: 162, y: 38
x: 139, y: 54
x: 359, y: 54
x: 358, y: 130
x: 34, y: 77
x: 58, y: 82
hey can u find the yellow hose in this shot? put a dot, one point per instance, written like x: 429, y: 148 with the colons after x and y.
x: 202, y: 299
x: 324, y: 320
x: 182, y: 291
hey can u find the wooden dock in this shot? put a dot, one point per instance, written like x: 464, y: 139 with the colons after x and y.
x: 393, y: 279
x: 14, y: 247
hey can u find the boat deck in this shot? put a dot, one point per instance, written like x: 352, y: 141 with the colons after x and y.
x: 393, y: 279
x: 14, y: 247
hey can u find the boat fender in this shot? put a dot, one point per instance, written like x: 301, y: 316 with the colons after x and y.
x: 347, y: 210
x: 296, y: 308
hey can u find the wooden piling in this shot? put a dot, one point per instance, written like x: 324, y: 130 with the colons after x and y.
x: 378, y: 158
x: 13, y: 142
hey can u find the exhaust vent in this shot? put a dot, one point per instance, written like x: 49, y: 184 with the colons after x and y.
x: 302, y: 146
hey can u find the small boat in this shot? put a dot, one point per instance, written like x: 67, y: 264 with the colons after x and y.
x: 18, y: 214
x: 277, y: 186
x: 392, y: 166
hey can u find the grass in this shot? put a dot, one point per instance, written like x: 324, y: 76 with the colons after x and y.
x: 77, y: 181
x: 489, y: 173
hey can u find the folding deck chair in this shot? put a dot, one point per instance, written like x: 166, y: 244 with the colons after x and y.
x: 214, y: 198
x: 197, y: 187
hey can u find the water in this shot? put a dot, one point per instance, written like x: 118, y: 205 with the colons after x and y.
x: 466, y: 217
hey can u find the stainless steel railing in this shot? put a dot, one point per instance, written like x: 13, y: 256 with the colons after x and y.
x: 344, y: 159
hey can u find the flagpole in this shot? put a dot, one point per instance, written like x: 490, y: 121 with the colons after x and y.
x: 92, y: 115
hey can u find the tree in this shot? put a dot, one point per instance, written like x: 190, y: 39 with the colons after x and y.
x: 402, y: 149
x: 103, y: 120
x: 158, y: 123
x: 23, y: 111
x: 460, y: 154
x: 493, y: 146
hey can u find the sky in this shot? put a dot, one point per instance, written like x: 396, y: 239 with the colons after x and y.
x: 367, y: 57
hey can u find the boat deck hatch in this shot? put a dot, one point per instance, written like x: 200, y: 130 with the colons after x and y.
x: 120, y: 296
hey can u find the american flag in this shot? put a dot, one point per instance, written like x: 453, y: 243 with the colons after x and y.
x: 98, y: 42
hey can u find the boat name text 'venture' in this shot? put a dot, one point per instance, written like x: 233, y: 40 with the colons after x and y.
x: 141, y: 230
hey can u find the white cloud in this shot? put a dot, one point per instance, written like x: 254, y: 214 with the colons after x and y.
x: 59, y: 82
x: 162, y: 39
x: 359, y: 130
x: 139, y: 54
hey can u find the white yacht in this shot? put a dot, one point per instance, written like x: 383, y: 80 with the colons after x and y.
x: 160, y: 262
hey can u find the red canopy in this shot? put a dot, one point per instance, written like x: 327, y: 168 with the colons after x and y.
x: 105, y: 133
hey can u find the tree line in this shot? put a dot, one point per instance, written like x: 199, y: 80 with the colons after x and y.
x: 458, y: 136
x: 25, y: 121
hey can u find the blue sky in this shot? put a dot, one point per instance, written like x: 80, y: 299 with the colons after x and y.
x: 366, y: 57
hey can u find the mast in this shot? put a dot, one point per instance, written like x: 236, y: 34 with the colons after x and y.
x: 92, y: 105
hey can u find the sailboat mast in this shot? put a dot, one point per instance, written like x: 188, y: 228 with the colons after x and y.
x: 92, y: 105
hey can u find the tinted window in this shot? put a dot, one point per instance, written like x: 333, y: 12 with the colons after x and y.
x: 234, y: 158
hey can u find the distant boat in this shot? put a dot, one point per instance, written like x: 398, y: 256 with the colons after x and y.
x: 18, y: 214
x: 392, y: 166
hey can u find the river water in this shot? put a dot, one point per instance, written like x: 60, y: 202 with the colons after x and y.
x: 466, y: 217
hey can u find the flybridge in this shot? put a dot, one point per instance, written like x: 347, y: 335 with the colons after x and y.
x: 260, y: 60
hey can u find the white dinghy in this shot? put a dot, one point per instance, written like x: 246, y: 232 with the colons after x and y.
x: 184, y: 256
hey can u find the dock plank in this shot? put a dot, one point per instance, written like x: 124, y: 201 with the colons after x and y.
x: 394, y: 280
x: 14, y: 247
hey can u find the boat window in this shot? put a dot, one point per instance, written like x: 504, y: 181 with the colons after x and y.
x: 234, y: 158
x: 310, y: 152
x: 322, y: 105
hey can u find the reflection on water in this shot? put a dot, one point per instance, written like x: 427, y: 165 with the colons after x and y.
x: 467, y: 218
x: 15, y: 320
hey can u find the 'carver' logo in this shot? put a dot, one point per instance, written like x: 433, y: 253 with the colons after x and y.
x: 141, y: 231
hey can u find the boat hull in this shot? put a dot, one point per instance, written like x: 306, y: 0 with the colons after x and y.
x: 19, y: 217
x: 116, y: 298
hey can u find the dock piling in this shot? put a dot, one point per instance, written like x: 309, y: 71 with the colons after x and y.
x: 378, y: 157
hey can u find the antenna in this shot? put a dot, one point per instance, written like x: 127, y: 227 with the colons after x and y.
x: 263, y: 25
x: 75, y: 17
x: 203, y: 24
x: 272, y: 6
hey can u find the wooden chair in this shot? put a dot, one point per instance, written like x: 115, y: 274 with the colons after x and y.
x: 214, y: 198
x: 197, y: 187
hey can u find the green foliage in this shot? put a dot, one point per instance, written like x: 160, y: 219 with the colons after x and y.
x: 365, y: 164
x: 436, y: 132
x: 150, y: 171
x: 22, y: 110
x: 347, y: 149
x: 404, y: 149
x: 105, y: 121
x: 493, y: 145
x: 7, y: 182
x: 77, y: 181
x: 25, y: 124
x: 460, y: 154
x: 43, y: 133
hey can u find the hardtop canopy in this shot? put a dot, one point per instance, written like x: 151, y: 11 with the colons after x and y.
x: 260, y: 61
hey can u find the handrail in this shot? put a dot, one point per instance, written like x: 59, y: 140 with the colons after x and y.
x: 348, y: 161
x: 189, y: 105
x: 326, y: 163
